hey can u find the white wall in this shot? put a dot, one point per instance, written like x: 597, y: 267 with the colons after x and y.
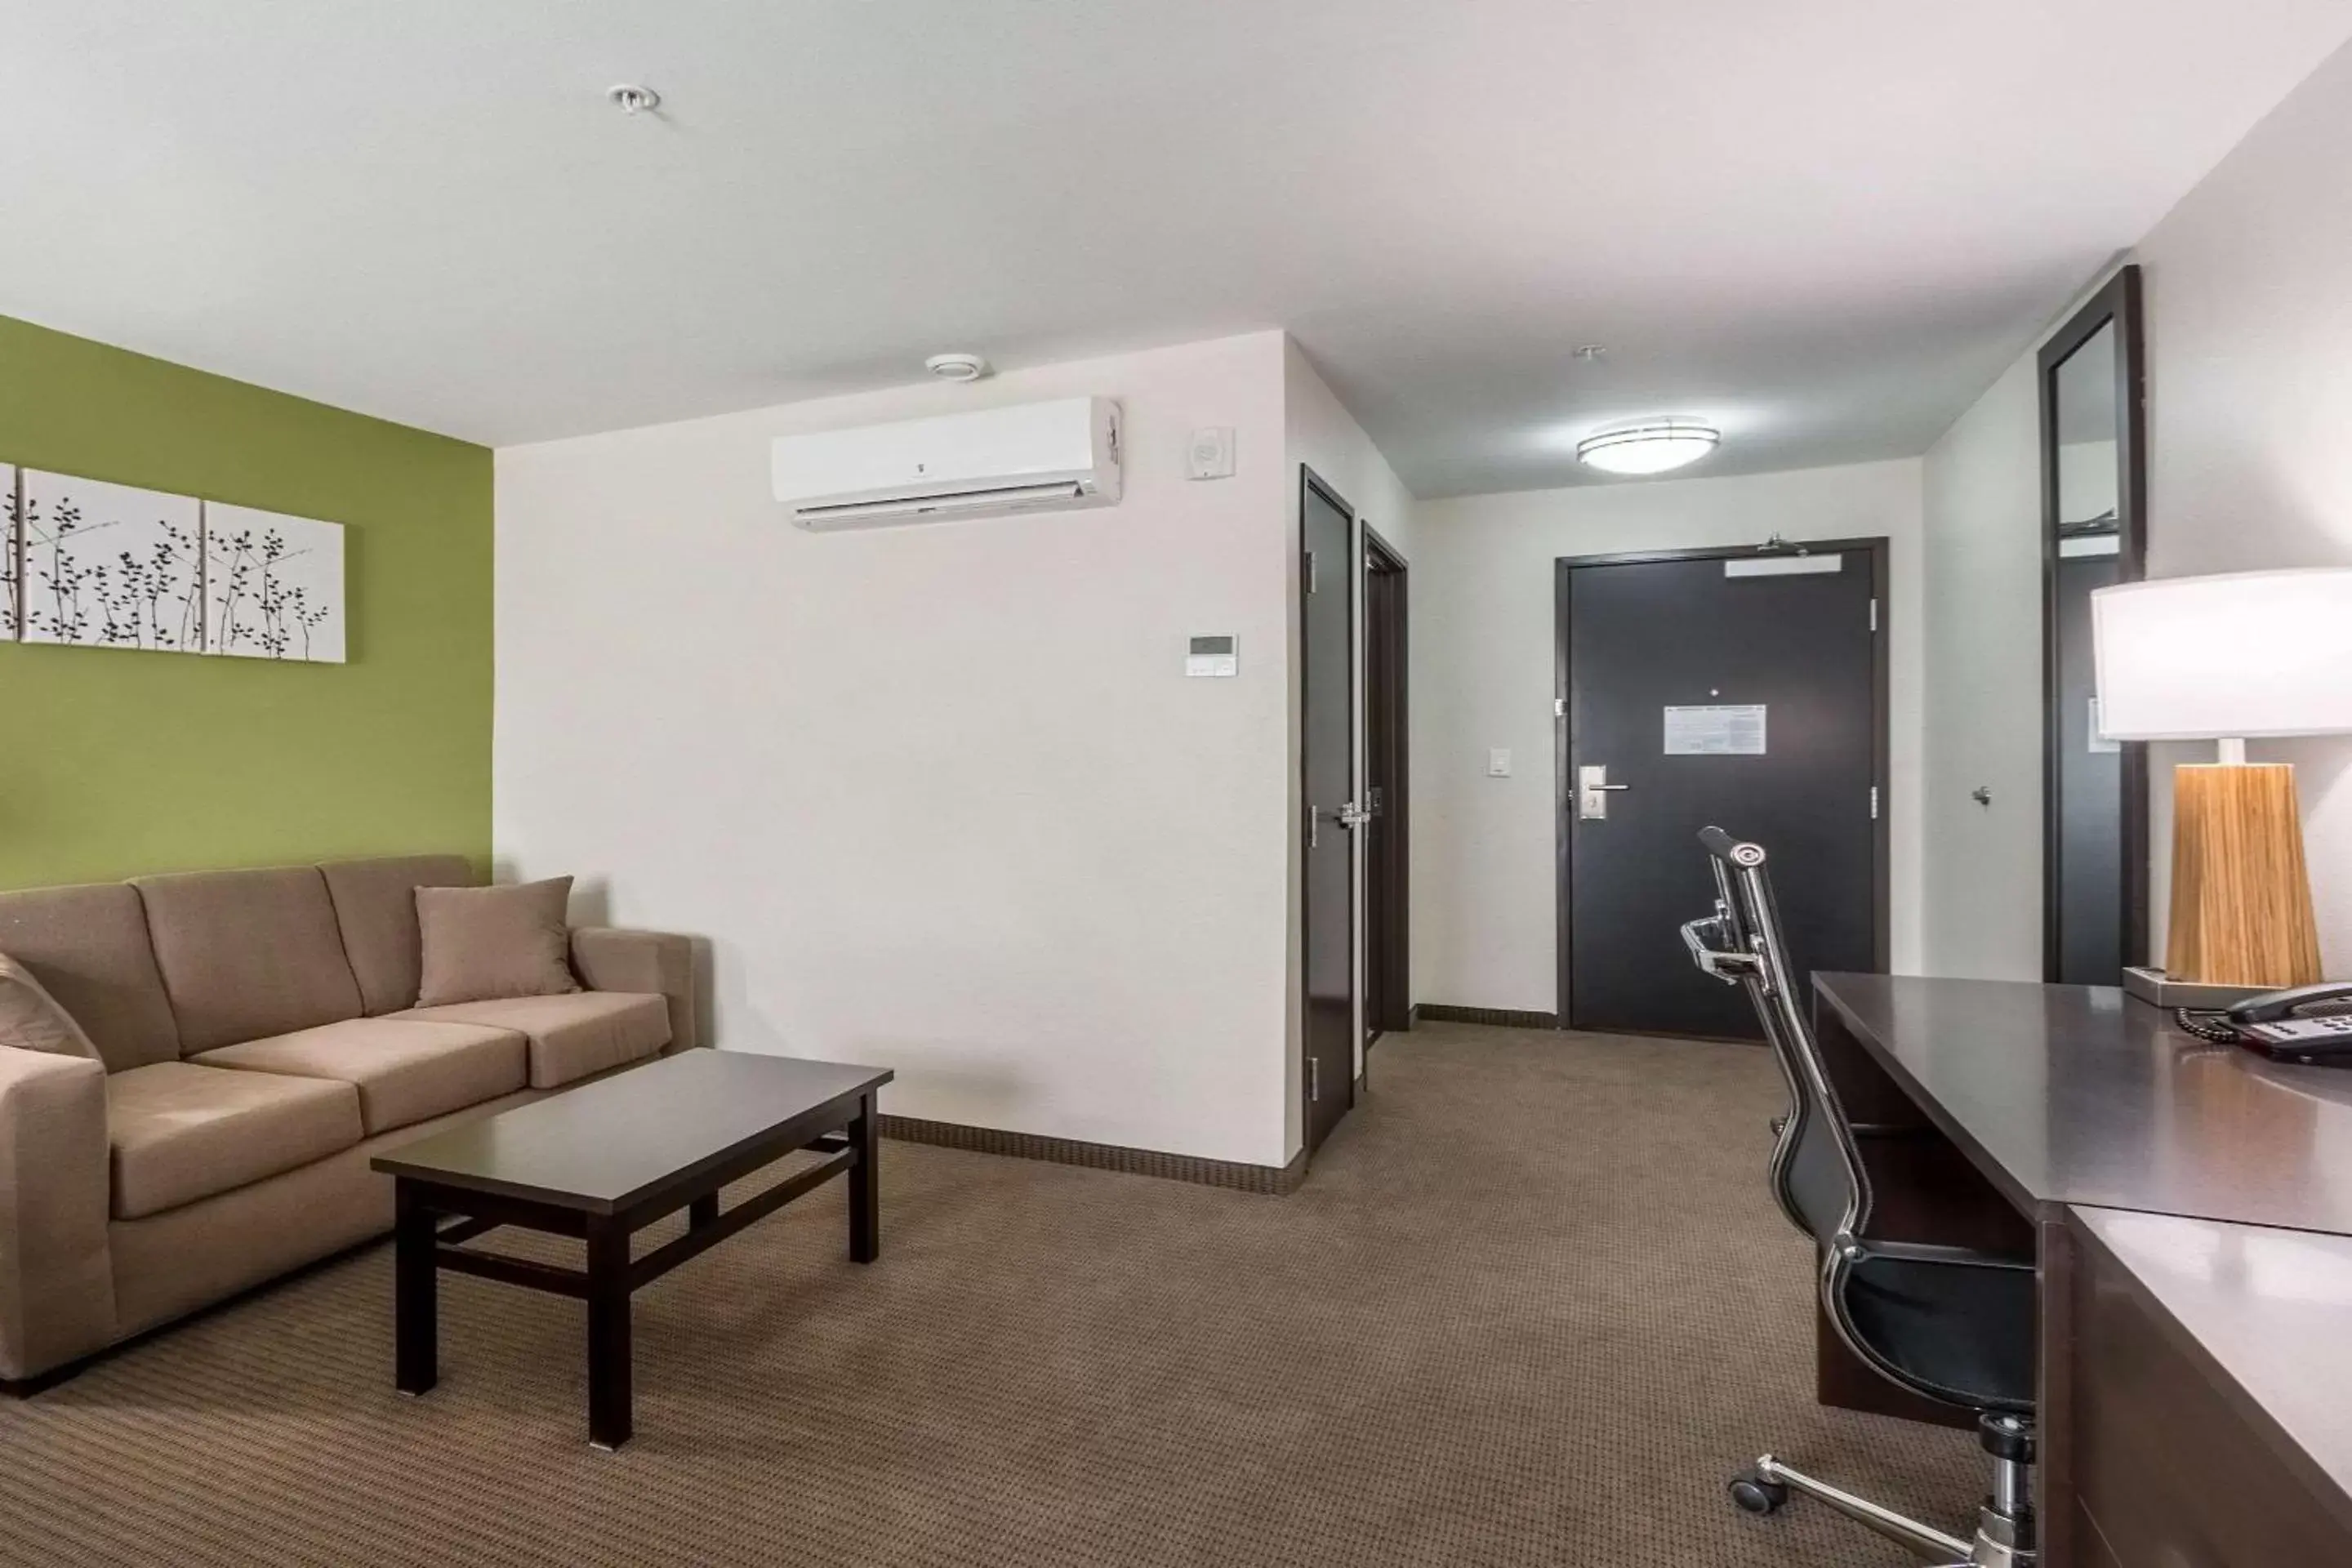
x: 1483, y: 899
x: 2247, y: 311
x: 939, y: 796
x: 2249, y: 323
x: 1982, y: 721
x: 1325, y: 436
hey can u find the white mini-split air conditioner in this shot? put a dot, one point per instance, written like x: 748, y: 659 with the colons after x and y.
x: 1035, y: 456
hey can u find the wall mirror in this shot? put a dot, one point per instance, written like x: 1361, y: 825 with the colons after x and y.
x: 2095, y: 791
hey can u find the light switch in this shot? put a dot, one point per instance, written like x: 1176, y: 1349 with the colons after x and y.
x: 1498, y: 763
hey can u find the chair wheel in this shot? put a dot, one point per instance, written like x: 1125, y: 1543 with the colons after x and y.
x: 1755, y: 1496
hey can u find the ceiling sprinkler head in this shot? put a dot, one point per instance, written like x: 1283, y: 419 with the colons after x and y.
x: 633, y: 99
x: 957, y: 367
x: 1589, y: 352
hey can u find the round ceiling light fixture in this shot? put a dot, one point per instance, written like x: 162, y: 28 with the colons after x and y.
x: 957, y: 367
x: 1648, y: 445
x: 631, y: 99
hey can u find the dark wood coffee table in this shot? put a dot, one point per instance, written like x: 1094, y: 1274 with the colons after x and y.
x: 604, y: 1160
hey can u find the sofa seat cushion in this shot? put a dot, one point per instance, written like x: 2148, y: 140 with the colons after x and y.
x: 572, y: 1037
x: 406, y: 1070
x: 181, y: 1131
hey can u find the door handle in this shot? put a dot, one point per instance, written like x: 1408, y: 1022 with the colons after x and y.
x: 1347, y: 814
x: 1592, y: 787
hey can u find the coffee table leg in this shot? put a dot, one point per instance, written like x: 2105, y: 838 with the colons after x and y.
x: 703, y: 1211
x: 609, y: 1420
x: 416, y: 1327
x: 865, y: 1182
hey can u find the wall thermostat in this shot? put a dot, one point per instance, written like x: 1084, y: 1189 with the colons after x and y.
x: 1210, y: 455
x: 1218, y: 654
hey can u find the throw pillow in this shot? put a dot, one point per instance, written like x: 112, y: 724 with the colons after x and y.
x: 30, y: 1018
x: 482, y: 945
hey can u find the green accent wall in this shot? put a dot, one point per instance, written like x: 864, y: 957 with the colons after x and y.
x: 115, y: 762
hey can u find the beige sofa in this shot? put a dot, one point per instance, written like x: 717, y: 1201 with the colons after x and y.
x: 261, y: 1044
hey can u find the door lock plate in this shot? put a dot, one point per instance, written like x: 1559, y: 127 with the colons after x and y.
x: 1592, y: 789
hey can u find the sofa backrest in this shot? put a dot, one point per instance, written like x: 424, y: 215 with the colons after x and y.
x: 375, y: 905
x: 88, y: 947
x: 247, y: 953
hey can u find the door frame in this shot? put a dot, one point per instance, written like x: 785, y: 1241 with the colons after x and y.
x: 1311, y: 483
x: 1563, y: 742
x: 2117, y: 302
x: 1391, y: 938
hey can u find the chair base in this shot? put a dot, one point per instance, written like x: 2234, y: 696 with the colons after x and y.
x: 2004, y: 1537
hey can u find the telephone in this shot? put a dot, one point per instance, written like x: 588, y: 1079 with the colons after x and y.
x: 2309, y: 1024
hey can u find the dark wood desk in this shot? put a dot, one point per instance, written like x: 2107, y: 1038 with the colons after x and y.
x: 2209, y: 1380
x: 2007, y: 1103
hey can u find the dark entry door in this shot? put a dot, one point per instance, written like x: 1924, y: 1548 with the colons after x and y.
x: 1741, y: 690
x: 1327, y: 530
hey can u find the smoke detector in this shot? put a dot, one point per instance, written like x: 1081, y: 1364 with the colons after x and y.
x: 957, y: 367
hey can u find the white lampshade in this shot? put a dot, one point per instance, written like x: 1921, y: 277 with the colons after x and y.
x: 2233, y: 657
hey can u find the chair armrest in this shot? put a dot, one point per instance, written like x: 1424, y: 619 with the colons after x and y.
x: 647, y: 962
x: 1930, y: 1252
x: 57, y: 1279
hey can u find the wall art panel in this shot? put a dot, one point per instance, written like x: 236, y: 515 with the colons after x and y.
x: 104, y: 566
x: 273, y: 585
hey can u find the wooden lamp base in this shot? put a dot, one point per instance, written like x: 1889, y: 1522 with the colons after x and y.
x: 2240, y: 896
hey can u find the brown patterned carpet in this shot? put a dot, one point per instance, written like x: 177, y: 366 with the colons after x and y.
x: 1532, y: 1306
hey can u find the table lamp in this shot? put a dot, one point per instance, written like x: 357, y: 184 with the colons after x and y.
x: 2230, y: 658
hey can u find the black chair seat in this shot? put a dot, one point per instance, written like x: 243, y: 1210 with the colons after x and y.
x: 1965, y: 1332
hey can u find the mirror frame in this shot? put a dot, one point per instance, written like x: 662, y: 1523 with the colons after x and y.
x: 2117, y: 302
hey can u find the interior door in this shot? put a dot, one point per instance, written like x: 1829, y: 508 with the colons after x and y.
x: 1744, y: 692
x: 1327, y: 646
x: 1388, y: 1003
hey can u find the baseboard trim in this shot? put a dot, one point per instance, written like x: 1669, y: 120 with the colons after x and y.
x: 1234, y: 1174
x: 1509, y: 1017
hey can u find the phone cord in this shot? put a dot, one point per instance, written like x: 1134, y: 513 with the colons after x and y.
x: 2204, y: 1026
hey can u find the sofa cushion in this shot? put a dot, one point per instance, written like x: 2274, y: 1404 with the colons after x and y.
x: 406, y: 1070
x: 30, y: 1018
x: 181, y: 1131
x: 248, y: 953
x: 481, y: 944
x: 87, y: 947
x: 375, y: 905
x: 570, y: 1037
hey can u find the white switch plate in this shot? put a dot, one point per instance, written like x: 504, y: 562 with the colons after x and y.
x: 1498, y: 763
x: 1210, y: 455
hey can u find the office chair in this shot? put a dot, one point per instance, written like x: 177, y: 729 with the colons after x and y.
x: 1949, y: 1323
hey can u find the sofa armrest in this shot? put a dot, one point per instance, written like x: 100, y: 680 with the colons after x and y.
x: 646, y: 962
x: 57, y: 1279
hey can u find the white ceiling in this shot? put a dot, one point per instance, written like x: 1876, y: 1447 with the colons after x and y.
x: 1827, y: 224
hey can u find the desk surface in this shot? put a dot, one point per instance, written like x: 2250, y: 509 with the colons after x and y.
x: 2268, y: 1309
x: 2076, y: 1094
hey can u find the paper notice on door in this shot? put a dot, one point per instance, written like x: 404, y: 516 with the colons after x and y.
x: 1725, y: 730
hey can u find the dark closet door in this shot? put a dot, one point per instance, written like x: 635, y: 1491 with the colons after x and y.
x: 1327, y: 531
x: 1388, y: 967
x: 1742, y: 691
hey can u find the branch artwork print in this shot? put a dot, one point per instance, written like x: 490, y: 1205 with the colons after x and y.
x: 10, y: 623
x: 104, y: 566
x: 273, y: 585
